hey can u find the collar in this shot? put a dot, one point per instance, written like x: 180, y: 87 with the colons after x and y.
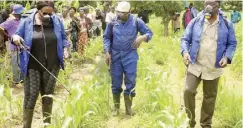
x: 129, y: 18
x: 201, y: 17
x: 215, y: 22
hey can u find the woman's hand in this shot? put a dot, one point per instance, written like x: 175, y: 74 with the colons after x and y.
x: 17, y: 40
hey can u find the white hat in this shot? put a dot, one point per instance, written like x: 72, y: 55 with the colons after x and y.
x: 123, y: 6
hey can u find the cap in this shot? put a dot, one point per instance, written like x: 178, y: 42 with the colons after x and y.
x: 18, y: 9
x: 123, y: 6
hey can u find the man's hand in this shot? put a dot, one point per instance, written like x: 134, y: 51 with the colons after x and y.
x: 138, y: 41
x: 187, y: 58
x: 223, y: 62
x: 17, y: 40
x: 108, y: 58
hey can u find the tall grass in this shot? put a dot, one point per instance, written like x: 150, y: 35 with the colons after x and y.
x: 229, y: 102
x: 11, y: 106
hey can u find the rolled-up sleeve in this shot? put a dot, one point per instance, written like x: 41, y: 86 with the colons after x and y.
x: 107, y: 38
x: 144, y: 30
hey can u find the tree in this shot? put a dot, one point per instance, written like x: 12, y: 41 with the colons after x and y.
x: 231, y: 5
x: 163, y: 9
x: 199, y: 5
x: 90, y: 3
x: 225, y: 5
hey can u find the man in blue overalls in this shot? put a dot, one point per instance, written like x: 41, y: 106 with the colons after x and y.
x: 120, y: 44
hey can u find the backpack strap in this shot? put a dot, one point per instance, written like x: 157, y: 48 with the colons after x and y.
x: 111, y: 31
x: 112, y: 27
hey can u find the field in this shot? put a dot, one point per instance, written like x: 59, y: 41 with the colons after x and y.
x: 159, y: 88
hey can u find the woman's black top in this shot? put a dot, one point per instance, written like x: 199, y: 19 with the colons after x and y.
x: 44, y: 47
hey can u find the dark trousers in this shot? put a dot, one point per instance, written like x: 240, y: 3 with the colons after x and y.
x: 74, y: 39
x: 210, y: 88
x: 39, y: 82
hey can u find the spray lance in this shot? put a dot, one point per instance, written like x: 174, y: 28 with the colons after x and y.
x: 27, y: 49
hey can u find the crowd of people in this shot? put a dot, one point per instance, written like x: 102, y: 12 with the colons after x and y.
x: 80, y: 25
x: 191, y: 12
x: 42, y: 38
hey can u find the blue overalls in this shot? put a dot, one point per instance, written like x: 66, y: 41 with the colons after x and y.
x: 123, y: 56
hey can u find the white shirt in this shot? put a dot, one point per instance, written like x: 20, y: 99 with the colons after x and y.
x: 109, y: 17
x: 89, y: 16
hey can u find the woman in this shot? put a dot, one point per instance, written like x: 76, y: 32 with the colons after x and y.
x: 74, y: 28
x: 84, y: 25
x: 97, y: 21
x: 8, y: 28
x: 176, y: 22
x: 44, y: 35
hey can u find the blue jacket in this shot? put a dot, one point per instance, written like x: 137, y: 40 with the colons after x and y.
x: 194, y: 11
x: 226, y: 42
x: 25, y: 30
x: 123, y: 37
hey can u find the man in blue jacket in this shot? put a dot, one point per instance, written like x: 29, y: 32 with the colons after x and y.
x: 207, y: 46
x: 120, y: 44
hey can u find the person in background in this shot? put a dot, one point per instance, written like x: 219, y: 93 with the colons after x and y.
x: 97, y: 22
x: 193, y: 10
x: 66, y: 20
x: 110, y: 16
x: 10, y: 26
x: 121, y: 41
x: 104, y: 12
x: 144, y: 15
x: 3, y: 49
x: 176, y: 22
x: 85, y: 25
x: 87, y: 12
x: 44, y: 35
x: 74, y: 28
x: 235, y: 17
x: 89, y: 17
x: 55, y: 10
x: 187, y: 17
x: 5, y: 13
x: 207, y: 46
